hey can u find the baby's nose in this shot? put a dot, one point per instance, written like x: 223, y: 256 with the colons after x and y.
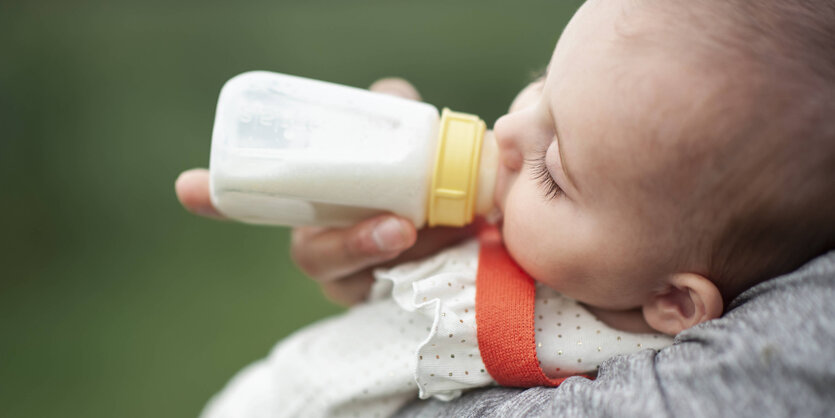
x: 510, y: 154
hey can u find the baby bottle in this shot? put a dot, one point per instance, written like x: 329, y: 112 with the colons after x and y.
x: 293, y: 151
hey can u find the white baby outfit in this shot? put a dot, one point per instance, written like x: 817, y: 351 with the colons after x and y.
x: 416, y: 336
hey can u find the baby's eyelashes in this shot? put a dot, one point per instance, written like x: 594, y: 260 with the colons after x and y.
x: 541, y: 174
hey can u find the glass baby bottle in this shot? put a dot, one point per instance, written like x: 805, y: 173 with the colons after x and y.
x: 292, y: 151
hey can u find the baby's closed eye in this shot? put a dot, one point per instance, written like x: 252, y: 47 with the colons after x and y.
x: 541, y: 174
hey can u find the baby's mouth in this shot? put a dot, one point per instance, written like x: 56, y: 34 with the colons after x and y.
x: 495, y: 217
x: 500, y: 191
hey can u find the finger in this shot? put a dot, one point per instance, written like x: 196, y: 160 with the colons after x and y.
x: 334, y: 253
x: 396, y: 87
x: 192, y: 189
x: 431, y: 240
x: 350, y: 290
x: 355, y: 288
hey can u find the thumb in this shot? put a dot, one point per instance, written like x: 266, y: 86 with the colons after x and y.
x: 192, y: 188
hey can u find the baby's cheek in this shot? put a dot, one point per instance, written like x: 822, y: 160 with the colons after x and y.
x: 525, y: 243
x: 543, y: 239
x: 524, y: 237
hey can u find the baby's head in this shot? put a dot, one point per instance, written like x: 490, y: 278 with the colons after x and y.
x: 676, y: 154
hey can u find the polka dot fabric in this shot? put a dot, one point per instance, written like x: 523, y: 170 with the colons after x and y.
x: 570, y: 340
x: 442, y: 289
x: 415, y: 337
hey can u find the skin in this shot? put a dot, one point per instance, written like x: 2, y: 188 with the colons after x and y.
x: 600, y: 248
x: 610, y: 234
x: 608, y: 237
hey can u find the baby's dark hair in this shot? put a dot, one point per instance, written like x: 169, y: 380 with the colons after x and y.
x: 772, y: 207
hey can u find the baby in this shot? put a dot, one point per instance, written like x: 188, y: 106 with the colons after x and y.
x: 675, y: 154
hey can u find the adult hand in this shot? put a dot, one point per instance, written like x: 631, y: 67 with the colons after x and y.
x: 341, y: 259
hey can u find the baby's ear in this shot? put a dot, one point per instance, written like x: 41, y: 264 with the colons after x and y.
x: 688, y: 300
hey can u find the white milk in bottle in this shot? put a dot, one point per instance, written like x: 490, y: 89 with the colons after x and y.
x: 293, y: 151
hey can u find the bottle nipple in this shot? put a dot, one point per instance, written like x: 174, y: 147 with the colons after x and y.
x: 487, y: 171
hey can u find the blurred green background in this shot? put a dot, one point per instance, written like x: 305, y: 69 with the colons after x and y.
x: 113, y: 300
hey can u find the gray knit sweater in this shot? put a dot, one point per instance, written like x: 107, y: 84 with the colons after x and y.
x: 771, y: 355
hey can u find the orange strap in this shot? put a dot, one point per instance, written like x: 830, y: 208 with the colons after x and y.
x: 504, y: 306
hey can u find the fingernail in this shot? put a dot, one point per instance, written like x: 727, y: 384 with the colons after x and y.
x: 389, y: 235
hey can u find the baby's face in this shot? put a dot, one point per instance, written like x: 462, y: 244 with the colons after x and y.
x: 587, y: 192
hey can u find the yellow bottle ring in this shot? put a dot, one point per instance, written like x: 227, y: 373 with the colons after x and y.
x: 454, y: 180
